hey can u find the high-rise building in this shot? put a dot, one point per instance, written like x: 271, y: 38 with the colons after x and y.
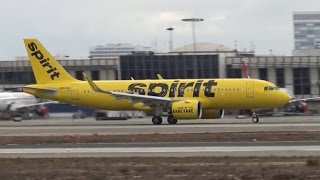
x: 306, y: 33
x: 114, y: 50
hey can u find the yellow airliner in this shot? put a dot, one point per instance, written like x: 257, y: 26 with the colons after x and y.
x: 179, y: 98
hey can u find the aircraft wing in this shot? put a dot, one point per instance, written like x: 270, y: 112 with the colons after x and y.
x: 305, y: 99
x: 18, y: 106
x: 8, y: 98
x: 145, y: 99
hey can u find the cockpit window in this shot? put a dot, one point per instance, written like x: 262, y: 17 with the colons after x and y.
x: 270, y: 88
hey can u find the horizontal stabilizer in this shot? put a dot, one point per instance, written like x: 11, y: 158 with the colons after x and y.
x: 51, y: 92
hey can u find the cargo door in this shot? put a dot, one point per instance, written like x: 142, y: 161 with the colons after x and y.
x: 74, y: 92
x: 250, y: 89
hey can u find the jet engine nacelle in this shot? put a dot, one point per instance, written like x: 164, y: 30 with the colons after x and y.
x: 4, y: 107
x: 212, y: 114
x: 188, y: 109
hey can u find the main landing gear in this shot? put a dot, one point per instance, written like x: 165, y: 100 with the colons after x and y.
x: 158, y: 120
x: 255, y: 118
x: 172, y: 120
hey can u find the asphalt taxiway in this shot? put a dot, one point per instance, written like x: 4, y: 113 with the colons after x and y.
x: 58, y: 127
x: 151, y: 129
x: 192, y: 149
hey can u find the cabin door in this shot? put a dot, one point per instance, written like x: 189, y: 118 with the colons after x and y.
x: 74, y: 92
x: 250, y: 89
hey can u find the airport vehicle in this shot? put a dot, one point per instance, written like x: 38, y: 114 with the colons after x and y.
x: 17, y: 104
x: 179, y: 98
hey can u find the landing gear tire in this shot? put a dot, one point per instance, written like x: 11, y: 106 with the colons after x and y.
x: 172, y: 120
x: 255, y: 119
x: 157, y: 120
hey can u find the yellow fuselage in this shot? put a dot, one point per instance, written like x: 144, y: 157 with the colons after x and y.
x: 211, y: 93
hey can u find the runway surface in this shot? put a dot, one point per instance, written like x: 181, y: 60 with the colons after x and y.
x: 59, y: 127
x: 144, y: 126
x: 192, y: 149
x: 146, y: 129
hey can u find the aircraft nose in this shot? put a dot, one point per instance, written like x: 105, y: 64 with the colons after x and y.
x: 284, y: 97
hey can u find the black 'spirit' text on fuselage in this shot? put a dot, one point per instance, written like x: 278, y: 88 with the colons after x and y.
x: 176, y: 89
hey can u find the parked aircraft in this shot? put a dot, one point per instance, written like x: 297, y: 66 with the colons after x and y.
x: 180, y: 98
x: 17, y: 103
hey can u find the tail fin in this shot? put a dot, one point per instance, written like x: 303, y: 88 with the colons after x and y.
x: 45, y: 68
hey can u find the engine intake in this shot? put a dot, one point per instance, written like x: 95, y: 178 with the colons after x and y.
x: 188, y: 109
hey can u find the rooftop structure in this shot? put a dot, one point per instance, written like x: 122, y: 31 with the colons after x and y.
x: 306, y: 33
x: 114, y: 50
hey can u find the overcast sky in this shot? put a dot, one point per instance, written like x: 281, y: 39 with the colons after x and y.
x: 72, y: 26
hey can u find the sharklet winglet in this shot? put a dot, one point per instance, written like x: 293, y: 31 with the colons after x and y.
x: 93, y: 85
x: 160, y: 77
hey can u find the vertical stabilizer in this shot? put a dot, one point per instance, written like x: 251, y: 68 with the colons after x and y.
x: 45, y: 68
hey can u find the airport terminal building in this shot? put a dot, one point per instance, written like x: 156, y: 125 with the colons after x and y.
x: 299, y: 74
x: 17, y: 73
x: 306, y: 26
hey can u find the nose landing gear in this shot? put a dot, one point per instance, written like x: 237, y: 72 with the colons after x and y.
x: 255, y: 118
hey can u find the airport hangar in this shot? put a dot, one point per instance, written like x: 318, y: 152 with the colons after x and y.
x: 299, y: 74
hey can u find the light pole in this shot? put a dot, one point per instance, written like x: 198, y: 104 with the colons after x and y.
x: 195, y: 64
x: 193, y: 21
x: 170, y: 29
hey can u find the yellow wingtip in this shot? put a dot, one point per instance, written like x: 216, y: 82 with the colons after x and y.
x: 159, y: 77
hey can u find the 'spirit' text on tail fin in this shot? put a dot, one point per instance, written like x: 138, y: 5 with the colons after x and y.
x: 45, y: 68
